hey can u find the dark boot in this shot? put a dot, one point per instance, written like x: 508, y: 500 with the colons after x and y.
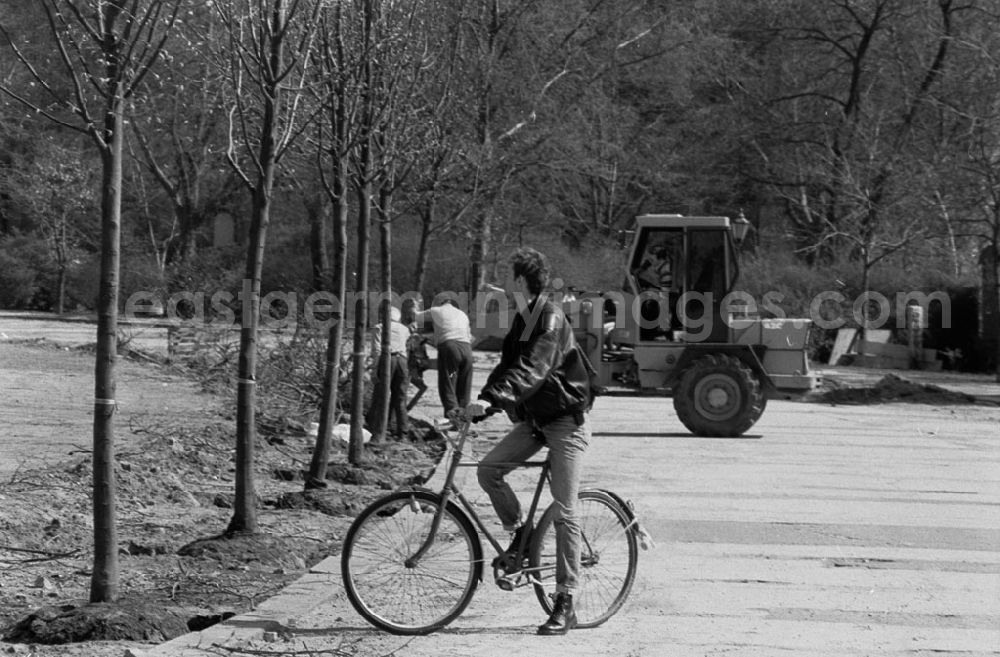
x: 506, y: 561
x: 563, y: 618
x: 515, y: 540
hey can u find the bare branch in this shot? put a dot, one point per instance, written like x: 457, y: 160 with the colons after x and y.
x: 38, y: 109
x: 44, y: 555
x: 533, y: 114
x: 231, y: 152
x: 150, y: 55
x: 93, y: 31
x: 151, y: 163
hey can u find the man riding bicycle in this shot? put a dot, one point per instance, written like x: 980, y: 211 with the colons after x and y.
x: 543, y: 383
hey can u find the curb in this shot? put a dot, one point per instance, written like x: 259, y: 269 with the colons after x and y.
x: 296, y: 600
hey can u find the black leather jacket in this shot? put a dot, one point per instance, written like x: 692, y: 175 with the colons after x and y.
x: 541, y: 375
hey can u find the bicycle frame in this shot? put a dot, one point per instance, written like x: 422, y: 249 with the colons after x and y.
x: 451, y: 491
x: 443, y: 563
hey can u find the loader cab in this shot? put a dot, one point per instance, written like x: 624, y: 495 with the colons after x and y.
x: 680, y: 269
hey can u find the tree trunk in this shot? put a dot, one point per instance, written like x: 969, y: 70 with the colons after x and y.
x: 356, y: 449
x: 61, y: 290
x: 949, y: 226
x: 480, y: 249
x: 865, y: 283
x: 337, y: 191
x: 244, y: 518
x: 335, y: 338
x: 62, y: 264
x: 992, y: 287
x: 381, y: 421
x: 426, y: 222
x: 363, y: 184
x: 105, y: 575
x: 182, y: 247
x: 319, y: 249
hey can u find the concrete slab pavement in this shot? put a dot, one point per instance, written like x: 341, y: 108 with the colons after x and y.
x: 827, y: 531
x: 275, y: 615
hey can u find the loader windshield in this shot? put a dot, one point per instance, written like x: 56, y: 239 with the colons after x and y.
x: 656, y: 262
x: 707, y: 263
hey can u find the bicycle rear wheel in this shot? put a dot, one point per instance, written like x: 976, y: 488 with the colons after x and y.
x: 424, y: 596
x: 608, y: 557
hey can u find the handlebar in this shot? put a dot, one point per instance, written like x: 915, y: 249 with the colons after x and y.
x: 491, y: 411
x: 459, y: 417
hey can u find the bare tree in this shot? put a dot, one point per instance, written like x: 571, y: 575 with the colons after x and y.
x: 842, y: 98
x: 363, y: 181
x: 106, y: 48
x: 408, y: 42
x: 58, y: 189
x: 519, y: 59
x: 442, y: 192
x: 371, y: 61
x: 333, y: 149
x: 269, y: 52
x: 180, y: 132
x: 972, y: 189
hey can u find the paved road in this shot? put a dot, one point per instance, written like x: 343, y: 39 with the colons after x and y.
x: 828, y: 531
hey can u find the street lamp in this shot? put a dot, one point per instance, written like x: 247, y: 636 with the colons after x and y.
x: 740, y: 228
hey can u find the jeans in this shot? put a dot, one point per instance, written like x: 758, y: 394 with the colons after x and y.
x: 398, y: 380
x: 567, y: 443
x: 454, y: 374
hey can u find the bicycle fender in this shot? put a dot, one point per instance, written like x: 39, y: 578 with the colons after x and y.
x: 626, y: 506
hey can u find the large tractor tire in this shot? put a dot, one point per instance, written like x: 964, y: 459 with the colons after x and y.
x: 718, y: 395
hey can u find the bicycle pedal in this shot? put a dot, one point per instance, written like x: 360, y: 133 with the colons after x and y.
x: 505, y: 583
x: 508, y: 564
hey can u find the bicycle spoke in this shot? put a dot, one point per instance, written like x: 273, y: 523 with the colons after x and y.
x: 427, y: 594
x: 607, y: 560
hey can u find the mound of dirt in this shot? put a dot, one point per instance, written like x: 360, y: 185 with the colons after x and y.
x: 262, y: 551
x: 892, y: 388
x: 72, y: 623
x: 333, y: 502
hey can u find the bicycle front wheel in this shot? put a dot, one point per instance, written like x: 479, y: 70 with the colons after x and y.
x: 608, y: 557
x: 410, y: 598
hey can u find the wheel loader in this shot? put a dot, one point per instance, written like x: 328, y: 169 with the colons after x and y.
x: 680, y: 328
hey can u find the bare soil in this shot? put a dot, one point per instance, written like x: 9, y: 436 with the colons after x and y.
x: 889, y: 388
x: 174, y: 471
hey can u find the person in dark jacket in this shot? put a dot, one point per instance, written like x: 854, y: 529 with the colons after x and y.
x: 543, y: 383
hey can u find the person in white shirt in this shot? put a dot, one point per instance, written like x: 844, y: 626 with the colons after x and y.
x: 453, y: 340
x: 399, y: 336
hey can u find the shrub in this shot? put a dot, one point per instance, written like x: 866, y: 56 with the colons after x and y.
x: 139, y: 273
x: 82, y: 282
x: 18, y: 280
x: 596, y: 264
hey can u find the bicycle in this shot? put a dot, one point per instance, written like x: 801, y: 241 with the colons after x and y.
x: 412, y: 560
